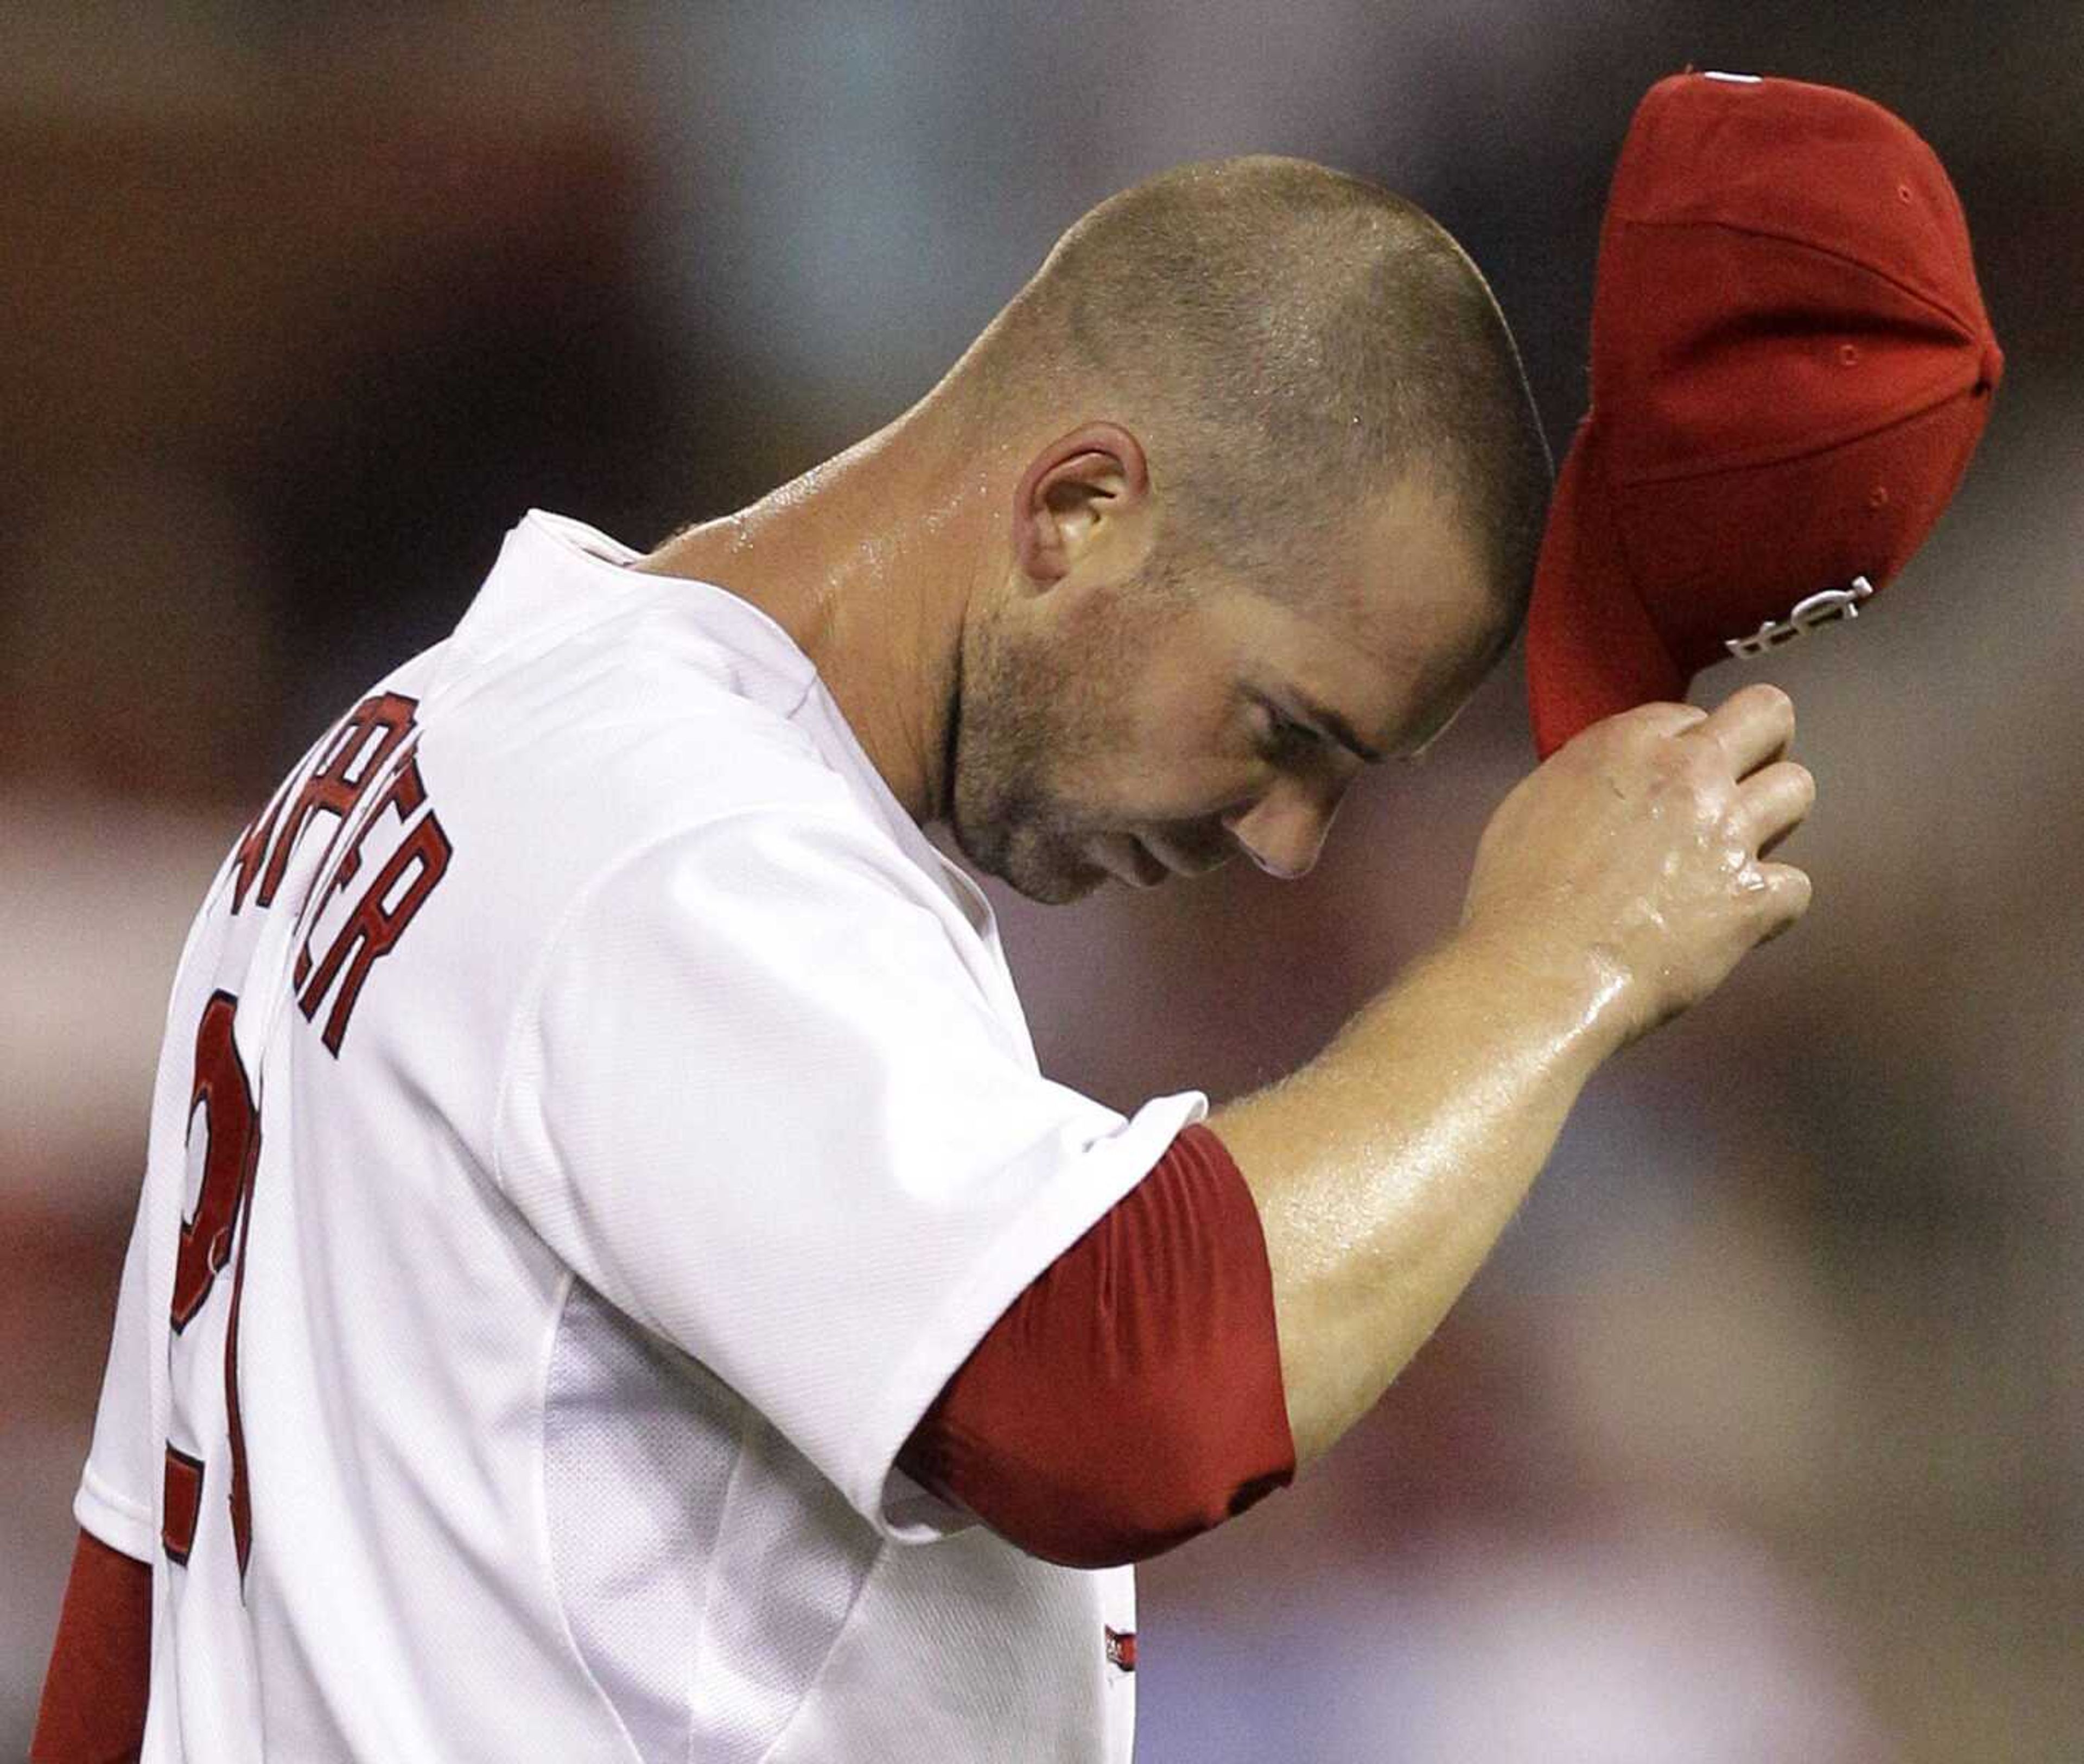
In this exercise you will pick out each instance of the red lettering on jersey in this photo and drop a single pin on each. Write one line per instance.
(252, 849)
(363, 740)
(386, 906)
(242, 1494)
(405, 795)
(225, 1199)
(233, 1149)
(183, 1503)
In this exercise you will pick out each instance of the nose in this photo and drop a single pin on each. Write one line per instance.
(1284, 830)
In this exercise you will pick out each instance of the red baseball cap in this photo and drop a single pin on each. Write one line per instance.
(1791, 365)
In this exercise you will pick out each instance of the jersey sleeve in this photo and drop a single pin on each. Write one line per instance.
(759, 1096)
(115, 1501)
(99, 1679)
(1132, 1397)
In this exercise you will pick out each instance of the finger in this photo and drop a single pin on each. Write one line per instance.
(1784, 894)
(1753, 727)
(1663, 718)
(1774, 801)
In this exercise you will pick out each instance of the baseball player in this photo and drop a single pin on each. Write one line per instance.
(611, 1281)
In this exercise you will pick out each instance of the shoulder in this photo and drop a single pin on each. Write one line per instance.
(643, 727)
(807, 882)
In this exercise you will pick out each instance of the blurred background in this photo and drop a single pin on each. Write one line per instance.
(1762, 1435)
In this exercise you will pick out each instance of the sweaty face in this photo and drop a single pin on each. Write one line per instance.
(1145, 728)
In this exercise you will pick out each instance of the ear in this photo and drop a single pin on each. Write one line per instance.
(1076, 493)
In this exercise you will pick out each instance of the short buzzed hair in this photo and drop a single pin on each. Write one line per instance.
(1288, 340)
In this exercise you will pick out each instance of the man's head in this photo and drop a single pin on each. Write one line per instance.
(1282, 488)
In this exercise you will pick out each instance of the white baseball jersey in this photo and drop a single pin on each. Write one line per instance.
(593, 1123)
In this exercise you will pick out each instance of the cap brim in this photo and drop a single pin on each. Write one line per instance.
(1591, 651)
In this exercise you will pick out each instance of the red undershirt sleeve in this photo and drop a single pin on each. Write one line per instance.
(100, 1673)
(1131, 1398)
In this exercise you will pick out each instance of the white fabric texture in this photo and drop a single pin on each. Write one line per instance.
(115, 1498)
(607, 1231)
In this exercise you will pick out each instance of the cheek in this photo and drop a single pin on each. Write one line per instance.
(1177, 762)
(1134, 730)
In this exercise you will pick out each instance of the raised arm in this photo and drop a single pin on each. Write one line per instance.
(1619, 885)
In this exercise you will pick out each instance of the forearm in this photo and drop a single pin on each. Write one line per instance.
(1384, 1170)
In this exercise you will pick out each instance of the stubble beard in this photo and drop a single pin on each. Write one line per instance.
(1013, 722)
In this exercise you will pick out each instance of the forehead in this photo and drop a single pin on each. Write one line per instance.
(1394, 624)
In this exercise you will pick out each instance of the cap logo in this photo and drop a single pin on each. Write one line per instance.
(1827, 608)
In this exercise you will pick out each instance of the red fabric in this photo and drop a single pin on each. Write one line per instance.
(1791, 365)
(101, 1665)
(1131, 1398)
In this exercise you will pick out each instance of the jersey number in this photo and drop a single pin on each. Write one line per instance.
(233, 1126)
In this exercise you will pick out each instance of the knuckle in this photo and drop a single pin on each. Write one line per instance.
(1706, 774)
(1648, 727)
(1641, 728)
(1593, 746)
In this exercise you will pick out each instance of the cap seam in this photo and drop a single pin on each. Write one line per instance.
(1723, 467)
(1619, 534)
(1966, 326)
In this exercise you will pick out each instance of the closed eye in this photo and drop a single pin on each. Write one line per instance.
(1282, 740)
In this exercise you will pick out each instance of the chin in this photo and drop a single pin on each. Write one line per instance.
(1034, 867)
(1058, 889)
(1048, 880)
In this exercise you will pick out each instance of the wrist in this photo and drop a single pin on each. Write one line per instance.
(1579, 995)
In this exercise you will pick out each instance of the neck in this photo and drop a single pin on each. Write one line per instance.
(868, 562)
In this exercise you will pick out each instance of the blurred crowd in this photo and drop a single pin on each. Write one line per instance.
(1762, 1435)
